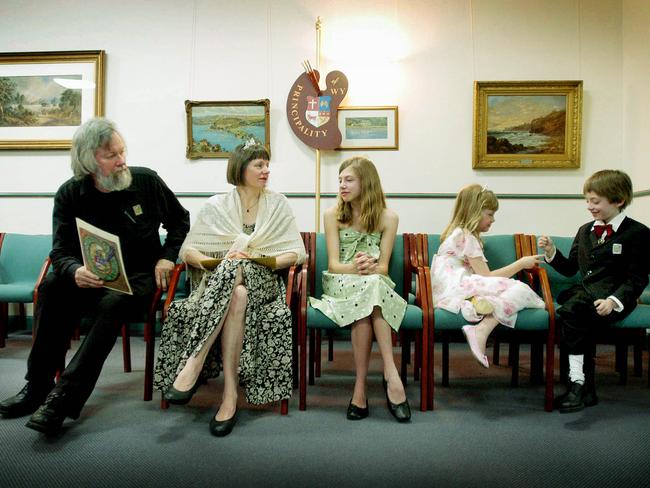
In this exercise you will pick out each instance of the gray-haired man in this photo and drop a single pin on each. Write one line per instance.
(131, 203)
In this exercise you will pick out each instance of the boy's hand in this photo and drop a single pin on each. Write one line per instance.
(546, 243)
(604, 306)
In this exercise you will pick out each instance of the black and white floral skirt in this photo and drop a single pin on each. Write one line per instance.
(265, 364)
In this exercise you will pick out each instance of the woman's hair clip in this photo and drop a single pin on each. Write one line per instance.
(250, 143)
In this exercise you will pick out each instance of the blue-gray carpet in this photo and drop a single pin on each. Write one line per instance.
(483, 433)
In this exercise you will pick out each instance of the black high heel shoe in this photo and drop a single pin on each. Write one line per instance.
(222, 428)
(401, 411)
(178, 397)
(357, 413)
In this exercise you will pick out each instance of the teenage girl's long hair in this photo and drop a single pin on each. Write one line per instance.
(468, 211)
(372, 197)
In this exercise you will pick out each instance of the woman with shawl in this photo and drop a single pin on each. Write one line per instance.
(240, 301)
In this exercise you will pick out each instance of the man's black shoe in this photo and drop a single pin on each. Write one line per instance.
(49, 418)
(573, 399)
(589, 397)
(25, 402)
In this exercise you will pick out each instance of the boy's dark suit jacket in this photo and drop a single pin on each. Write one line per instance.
(605, 273)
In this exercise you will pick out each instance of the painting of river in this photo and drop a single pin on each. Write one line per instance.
(366, 128)
(218, 130)
(39, 101)
(526, 124)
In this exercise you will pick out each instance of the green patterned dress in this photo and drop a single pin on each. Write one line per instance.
(350, 297)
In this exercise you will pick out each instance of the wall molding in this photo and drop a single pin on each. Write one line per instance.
(403, 196)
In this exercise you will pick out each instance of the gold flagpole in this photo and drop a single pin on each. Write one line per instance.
(317, 192)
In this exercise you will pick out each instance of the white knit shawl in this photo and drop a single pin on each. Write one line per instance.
(218, 228)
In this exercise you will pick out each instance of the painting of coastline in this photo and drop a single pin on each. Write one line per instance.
(526, 124)
(39, 101)
(366, 128)
(217, 128)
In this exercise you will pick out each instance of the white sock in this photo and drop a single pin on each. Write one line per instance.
(576, 370)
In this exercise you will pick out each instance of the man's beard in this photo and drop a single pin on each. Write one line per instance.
(114, 182)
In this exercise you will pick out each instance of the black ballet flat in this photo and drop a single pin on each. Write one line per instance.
(222, 428)
(178, 397)
(401, 411)
(357, 413)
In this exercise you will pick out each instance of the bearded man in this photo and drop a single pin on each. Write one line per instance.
(130, 203)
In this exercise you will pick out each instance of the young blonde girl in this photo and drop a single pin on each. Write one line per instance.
(462, 281)
(357, 291)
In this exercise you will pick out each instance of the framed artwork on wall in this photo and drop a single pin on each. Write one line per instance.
(215, 129)
(46, 96)
(527, 124)
(366, 128)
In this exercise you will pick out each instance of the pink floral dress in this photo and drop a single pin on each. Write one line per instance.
(454, 283)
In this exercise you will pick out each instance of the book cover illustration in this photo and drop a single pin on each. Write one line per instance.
(102, 255)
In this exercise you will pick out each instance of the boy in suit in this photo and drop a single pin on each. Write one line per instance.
(612, 256)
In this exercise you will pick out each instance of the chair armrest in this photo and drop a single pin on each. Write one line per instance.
(41, 276)
(171, 288)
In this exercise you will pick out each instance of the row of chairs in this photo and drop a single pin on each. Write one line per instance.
(422, 326)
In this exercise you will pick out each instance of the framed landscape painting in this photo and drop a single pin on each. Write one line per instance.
(46, 96)
(364, 128)
(527, 124)
(215, 129)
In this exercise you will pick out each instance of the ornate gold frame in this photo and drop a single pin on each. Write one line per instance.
(95, 58)
(190, 105)
(570, 158)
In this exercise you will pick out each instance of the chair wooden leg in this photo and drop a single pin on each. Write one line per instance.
(284, 407)
(514, 359)
(550, 370)
(638, 352)
(417, 360)
(164, 404)
(317, 354)
(302, 366)
(621, 360)
(23, 316)
(4, 323)
(496, 346)
(150, 345)
(126, 348)
(406, 353)
(312, 347)
(512, 347)
(536, 363)
(330, 346)
(445, 362)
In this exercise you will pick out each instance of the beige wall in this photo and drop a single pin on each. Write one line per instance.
(425, 59)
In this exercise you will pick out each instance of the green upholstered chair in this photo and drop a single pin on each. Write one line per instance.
(21, 262)
(415, 320)
(533, 325)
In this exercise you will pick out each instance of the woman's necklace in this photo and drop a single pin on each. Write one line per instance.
(252, 206)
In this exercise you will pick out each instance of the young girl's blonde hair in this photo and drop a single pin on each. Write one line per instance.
(372, 197)
(468, 211)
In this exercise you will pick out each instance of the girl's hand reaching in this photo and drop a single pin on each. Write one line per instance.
(528, 262)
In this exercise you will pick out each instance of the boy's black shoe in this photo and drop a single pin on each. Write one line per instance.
(25, 402)
(49, 418)
(573, 400)
(589, 397)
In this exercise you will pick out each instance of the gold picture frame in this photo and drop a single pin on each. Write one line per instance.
(46, 96)
(214, 129)
(527, 124)
(369, 128)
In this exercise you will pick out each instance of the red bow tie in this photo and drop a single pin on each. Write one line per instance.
(600, 229)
